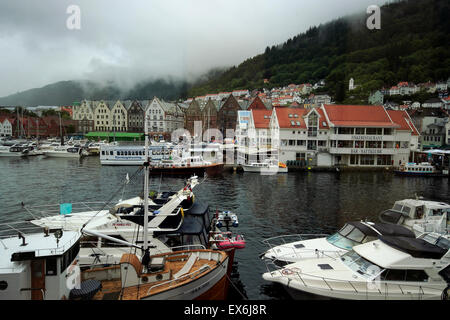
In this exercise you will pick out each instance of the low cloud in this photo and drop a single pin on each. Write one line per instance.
(128, 42)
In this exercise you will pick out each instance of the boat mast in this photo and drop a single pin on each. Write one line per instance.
(60, 129)
(146, 256)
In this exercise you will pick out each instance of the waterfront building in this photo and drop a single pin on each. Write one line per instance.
(119, 116)
(258, 104)
(163, 117)
(193, 114)
(369, 135)
(209, 116)
(136, 116)
(102, 115)
(227, 115)
(84, 114)
(254, 141)
(6, 127)
(329, 135)
(301, 135)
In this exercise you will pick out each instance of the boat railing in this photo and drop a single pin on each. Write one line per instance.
(284, 239)
(370, 286)
(48, 210)
(190, 275)
(25, 229)
(9, 229)
(188, 247)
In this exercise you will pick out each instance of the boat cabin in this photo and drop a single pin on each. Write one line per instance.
(39, 266)
(419, 215)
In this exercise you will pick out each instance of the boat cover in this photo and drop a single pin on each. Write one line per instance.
(87, 290)
(418, 248)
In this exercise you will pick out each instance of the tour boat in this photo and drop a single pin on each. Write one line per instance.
(39, 265)
(132, 155)
(419, 215)
(389, 268)
(267, 167)
(185, 165)
(418, 169)
(284, 251)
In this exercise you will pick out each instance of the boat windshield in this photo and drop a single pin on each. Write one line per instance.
(347, 237)
(360, 265)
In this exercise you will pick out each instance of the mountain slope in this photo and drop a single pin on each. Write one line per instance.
(412, 45)
(67, 92)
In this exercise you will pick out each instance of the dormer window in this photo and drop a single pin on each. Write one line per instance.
(290, 115)
(295, 115)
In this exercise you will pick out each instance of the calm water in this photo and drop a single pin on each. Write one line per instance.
(267, 205)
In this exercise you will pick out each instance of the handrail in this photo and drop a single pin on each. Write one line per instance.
(402, 286)
(189, 247)
(190, 275)
(300, 236)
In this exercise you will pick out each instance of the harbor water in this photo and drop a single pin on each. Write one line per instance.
(267, 206)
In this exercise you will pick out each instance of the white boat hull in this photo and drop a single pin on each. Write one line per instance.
(357, 290)
(12, 154)
(61, 154)
(264, 170)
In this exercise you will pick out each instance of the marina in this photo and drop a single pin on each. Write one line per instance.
(324, 201)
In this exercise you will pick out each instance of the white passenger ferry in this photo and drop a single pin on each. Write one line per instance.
(417, 169)
(132, 155)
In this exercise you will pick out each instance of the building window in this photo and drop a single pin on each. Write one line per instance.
(367, 160)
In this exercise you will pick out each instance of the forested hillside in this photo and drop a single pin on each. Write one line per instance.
(412, 45)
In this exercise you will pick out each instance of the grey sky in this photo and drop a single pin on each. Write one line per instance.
(128, 41)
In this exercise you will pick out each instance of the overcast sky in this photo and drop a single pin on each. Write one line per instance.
(127, 41)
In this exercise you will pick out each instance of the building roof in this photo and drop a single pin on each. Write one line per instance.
(402, 118)
(358, 116)
(261, 118)
(285, 117)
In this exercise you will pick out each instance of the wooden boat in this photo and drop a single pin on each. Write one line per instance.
(182, 275)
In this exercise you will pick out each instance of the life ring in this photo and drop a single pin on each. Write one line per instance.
(287, 272)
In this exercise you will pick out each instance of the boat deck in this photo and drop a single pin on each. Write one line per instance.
(112, 289)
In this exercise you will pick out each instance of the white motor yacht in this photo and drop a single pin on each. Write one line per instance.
(419, 215)
(266, 167)
(390, 268)
(65, 152)
(284, 251)
(14, 151)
